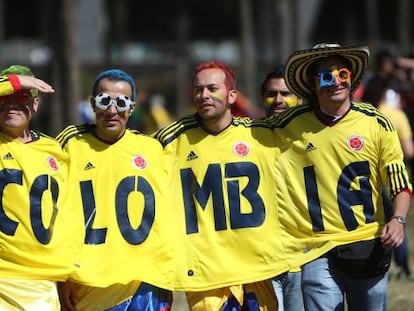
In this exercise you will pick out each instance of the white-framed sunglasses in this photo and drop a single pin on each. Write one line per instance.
(122, 103)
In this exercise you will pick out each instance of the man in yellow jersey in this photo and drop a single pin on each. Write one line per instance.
(276, 99)
(226, 214)
(120, 194)
(275, 94)
(35, 219)
(336, 156)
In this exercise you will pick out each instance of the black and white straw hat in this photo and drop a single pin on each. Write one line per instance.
(298, 63)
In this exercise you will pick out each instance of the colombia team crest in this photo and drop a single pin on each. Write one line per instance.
(139, 162)
(355, 142)
(52, 163)
(241, 149)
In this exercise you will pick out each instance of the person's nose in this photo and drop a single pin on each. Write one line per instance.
(279, 98)
(336, 80)
(205, 93)
(112, 109)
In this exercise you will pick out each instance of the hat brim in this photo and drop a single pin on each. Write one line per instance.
(298, 63)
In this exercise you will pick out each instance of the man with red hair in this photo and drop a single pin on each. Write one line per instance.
(228, 226)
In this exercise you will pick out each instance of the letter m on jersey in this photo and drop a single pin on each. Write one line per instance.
(212, 186)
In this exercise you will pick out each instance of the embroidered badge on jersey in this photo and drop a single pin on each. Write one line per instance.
(241, 149)
(355, 142)
(139, 162)
(52, 163)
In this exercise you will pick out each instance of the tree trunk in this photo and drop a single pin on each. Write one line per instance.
(182, 63)
(248, 50)
(61, 36)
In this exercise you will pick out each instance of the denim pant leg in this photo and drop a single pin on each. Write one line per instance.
(278, 284)
(292, 292)
(322, 287)
(367, 294)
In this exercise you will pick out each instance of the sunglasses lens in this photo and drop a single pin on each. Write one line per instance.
(21, 98)
(105, 101)
(102, 100)
(327, 77)
(343, 74)
(121, 103)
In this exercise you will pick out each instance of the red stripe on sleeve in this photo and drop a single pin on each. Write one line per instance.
(14, 80)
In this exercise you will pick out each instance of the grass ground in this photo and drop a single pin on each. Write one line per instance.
(400, 291)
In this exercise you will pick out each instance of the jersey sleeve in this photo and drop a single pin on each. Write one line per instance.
(9, 84)
(393, 171)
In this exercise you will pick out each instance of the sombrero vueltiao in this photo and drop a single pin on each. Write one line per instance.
(299, 62)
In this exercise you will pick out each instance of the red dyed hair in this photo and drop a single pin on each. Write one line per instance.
(230, 77)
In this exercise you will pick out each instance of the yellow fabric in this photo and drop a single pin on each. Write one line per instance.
(225, 210)
(214, 300)
(399, 120)
(160, 114)
(295, 269)
(122, 207)
(343, 168)
(31, 295)
(6, 87)
(35, 226)
(98, 299)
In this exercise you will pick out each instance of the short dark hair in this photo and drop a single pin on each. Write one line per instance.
(277, 72)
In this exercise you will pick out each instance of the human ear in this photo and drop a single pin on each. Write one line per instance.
(92, 102)
(35, 105)
(131, 110)
(232, 96)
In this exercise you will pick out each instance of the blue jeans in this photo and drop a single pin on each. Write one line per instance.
(324, 287)
(288, 291)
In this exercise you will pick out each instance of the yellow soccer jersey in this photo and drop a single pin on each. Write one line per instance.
(227, 218)
(34, 225)
(330, 177)
(122, 204)
(9, 84)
